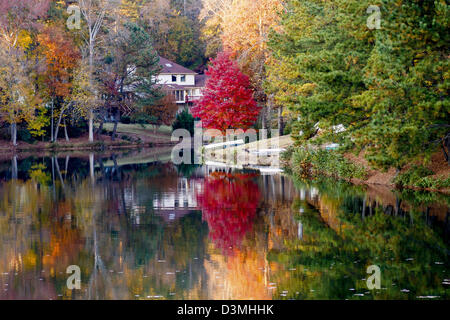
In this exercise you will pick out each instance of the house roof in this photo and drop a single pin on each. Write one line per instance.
(200, 80)
(170, 67)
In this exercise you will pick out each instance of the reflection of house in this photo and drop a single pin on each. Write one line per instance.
(186, 85)
(176, 203)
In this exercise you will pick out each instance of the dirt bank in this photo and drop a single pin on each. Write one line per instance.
(438, 165)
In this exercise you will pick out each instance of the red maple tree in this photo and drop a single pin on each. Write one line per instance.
(227, 101)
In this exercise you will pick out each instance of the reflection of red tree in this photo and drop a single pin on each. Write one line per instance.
(229, 203)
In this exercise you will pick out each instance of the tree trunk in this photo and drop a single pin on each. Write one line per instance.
(58, 124)
(99, 130)
(116, 123)
(113, 136)
(91, 72)
(52, 136)
(263, 118)
(269, 114)
(14, 134)
(91, 125)
(280, 121)
(65, 131)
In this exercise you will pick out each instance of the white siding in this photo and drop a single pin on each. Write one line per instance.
(167, 79)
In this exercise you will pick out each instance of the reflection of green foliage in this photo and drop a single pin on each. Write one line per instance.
(420, 197)
(39, 174)
(187, 170)
(332, 262)
(332, 188)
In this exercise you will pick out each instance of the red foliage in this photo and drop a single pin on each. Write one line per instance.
(229, 203)
(61, 56)
(228, 100)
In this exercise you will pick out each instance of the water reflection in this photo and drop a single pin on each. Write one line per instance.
(142, 228)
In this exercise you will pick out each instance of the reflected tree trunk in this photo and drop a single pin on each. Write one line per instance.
(53, 178)
(91, 167)
(14, 170)
(58, 171)
(66, 167)
(363, 214)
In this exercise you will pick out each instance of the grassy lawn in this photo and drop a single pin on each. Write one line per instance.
(145, 132)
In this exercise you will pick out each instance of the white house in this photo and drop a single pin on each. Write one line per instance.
(186, 85)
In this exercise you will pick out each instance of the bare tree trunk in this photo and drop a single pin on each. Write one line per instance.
(91, 125)
(99, 130)
(280, 121)
(263, 118)
(65, 131)
(58, 124)
(91, 71)
(116, 123)
(52, 137)
(14, 133)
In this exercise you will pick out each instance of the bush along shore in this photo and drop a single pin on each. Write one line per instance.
(313, 163)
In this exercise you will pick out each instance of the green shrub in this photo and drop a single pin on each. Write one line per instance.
(288, 128)
(420, 177)
(184, 120)
(125, 119)
(308, 162)
(412, 176)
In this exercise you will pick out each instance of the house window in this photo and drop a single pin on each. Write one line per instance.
(174, 78)
(179, 95)
(183, 78)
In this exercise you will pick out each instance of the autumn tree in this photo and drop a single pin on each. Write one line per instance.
(228, 100)
(18, 16)
(94, 12)
(246, 29)
(131, 68)
(175, 35)
(18, 99)
(243, 27)
(213, 14)
(163, 112)
(61, 57)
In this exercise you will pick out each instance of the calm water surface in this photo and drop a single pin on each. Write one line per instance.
(140, 227)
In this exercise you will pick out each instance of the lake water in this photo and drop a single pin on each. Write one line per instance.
(139, 227)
